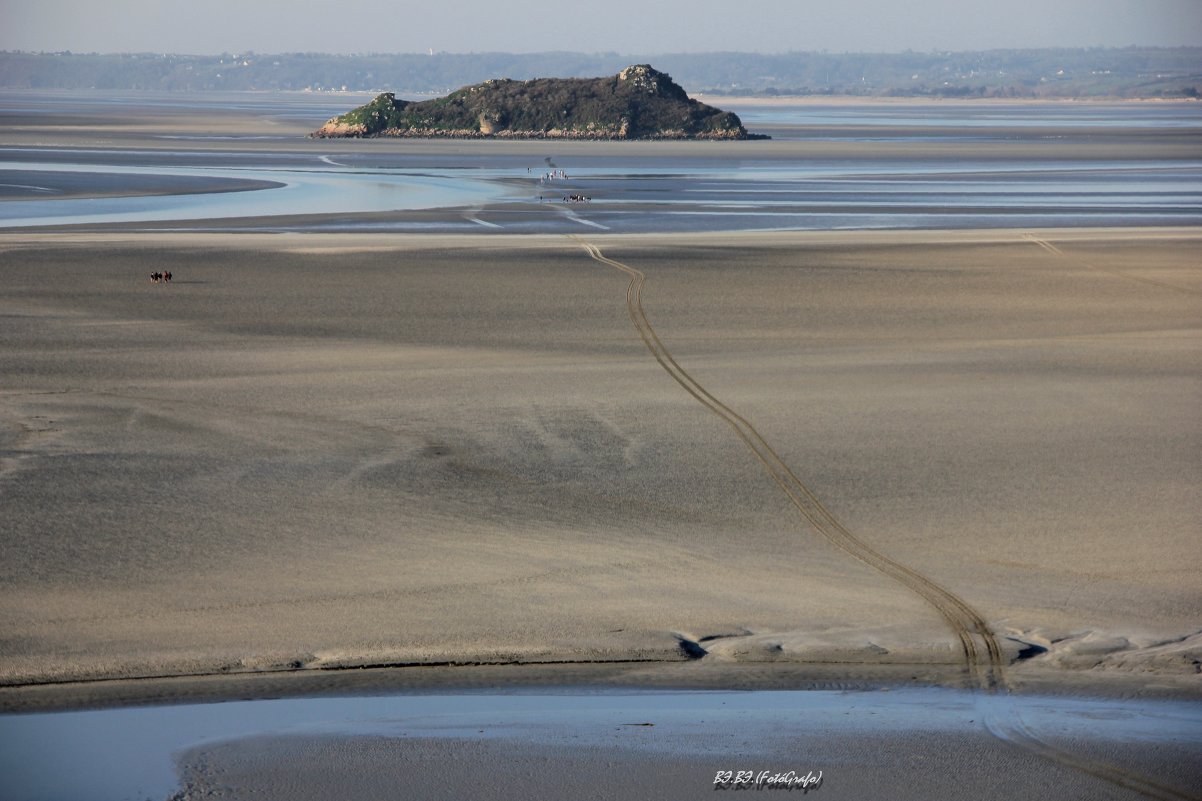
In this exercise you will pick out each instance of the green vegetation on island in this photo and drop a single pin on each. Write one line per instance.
(637, 103)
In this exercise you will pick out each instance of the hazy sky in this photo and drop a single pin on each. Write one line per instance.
(643, 26)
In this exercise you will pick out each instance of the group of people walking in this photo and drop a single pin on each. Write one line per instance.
(160, 278)
(557, 174)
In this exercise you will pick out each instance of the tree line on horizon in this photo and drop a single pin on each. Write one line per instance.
(1131, 72)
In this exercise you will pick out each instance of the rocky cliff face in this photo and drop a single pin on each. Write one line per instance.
(638, 103)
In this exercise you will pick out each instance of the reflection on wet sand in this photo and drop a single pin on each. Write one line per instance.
(937, 166)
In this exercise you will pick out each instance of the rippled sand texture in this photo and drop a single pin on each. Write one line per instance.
(322, 451)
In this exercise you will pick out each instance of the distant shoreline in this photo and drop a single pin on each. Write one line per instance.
(719, 100)
(1136, 71)
(915, 100)
(708, 97)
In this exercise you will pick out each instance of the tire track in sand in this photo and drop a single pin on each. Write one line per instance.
(982, 654)
(1055, 251)
(1007, 725)
(985, 667)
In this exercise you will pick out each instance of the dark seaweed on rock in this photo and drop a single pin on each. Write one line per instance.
(637, 103)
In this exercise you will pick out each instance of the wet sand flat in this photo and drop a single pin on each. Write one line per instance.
(333, 451)
(908, 743)
(920, 165)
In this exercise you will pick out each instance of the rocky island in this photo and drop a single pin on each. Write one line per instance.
(638, 103)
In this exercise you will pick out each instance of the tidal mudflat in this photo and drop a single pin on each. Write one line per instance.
(908, 743)
(930, 166)
(346, 462)
(311, 453)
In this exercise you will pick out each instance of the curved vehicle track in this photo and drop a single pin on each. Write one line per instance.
(1055, 251)
(1007, 725)
(982, 654)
